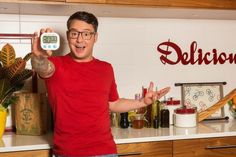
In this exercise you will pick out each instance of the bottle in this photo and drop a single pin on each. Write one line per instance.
(165, 116)
(155, 111)
(156, 122)
(124, 122)
(140, 110)
(148, 113)
(114, 119)
(132, 113)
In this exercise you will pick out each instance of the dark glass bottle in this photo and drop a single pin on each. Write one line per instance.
(165, 121)
(124, 122)
(156, 122)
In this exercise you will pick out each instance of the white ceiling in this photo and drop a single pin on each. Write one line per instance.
(117, 11)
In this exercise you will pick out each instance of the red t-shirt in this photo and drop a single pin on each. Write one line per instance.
(79, 94)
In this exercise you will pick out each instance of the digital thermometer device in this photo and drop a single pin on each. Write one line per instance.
(50, 41)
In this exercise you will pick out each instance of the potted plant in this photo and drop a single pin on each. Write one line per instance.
(12, 76)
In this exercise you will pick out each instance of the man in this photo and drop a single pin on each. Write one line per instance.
(81, 91)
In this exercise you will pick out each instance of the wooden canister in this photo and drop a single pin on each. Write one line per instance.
(31, 114)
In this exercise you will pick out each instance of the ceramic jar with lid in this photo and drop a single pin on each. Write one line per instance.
(185, 117)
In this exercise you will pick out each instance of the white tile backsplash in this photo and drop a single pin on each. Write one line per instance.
(9, 17)
(44, 18)
(9, 27)
(130, 45)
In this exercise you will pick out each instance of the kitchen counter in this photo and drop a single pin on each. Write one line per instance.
(205, 129)
(11, 142)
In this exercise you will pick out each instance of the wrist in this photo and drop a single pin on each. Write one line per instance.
(42, 65)
(142, 102)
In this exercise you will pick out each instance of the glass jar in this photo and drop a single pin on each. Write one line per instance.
(138, 122)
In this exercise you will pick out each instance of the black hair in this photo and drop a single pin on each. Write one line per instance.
(84, 16)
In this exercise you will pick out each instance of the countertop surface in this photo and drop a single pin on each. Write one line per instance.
(11, 142)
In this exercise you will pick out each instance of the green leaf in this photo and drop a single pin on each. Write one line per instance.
(27, 57)
(8, 90)
(230, 102)
(2, 72)
(13, 89)
(15, 68)
(2, 108)
(19, 78)
(7, 55)
(10, 100)
(4, 87)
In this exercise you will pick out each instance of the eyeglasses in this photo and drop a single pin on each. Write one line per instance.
(86, 35)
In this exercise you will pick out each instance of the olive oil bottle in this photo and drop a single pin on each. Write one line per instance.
(155, 111)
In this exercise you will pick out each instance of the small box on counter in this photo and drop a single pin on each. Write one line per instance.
(32, 114)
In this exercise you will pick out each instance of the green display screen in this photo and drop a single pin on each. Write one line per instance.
(49, 39)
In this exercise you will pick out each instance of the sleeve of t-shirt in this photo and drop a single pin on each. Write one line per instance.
(113, 91)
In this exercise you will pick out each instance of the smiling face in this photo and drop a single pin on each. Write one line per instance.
(81, 49)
